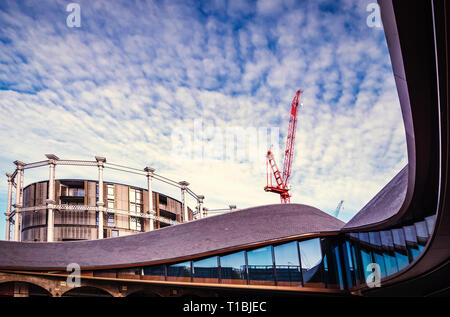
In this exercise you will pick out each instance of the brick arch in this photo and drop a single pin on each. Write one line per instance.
(143, 292)
(28, 281)
(88, 287)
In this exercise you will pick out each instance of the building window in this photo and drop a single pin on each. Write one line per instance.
(287, 264)
(206, 270)
(233, 268)
(311, 262)
(136, 208)
(155, 272)
(260, 266)
(114, 233)
(179, 272)
(76, 192)
(135, 201)
(110, 191)
(111, 222)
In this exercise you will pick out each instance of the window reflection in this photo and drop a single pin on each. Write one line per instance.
(311, 263)
(400, 252)
(287, 264)
(377, 251)
(206, 270)
(422, 232)
(366, 259)
(132, 273)
(260, 266)
(154, 273)
(180, 272)
(232, 268)
(388, 252)
(411, 242)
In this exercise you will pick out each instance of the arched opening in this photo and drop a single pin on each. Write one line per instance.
(86, 291)
(22, 289)
(143, 293)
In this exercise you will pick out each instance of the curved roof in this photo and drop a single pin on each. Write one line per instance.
(384, 205)
(239, 228)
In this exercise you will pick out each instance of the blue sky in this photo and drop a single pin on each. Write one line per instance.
(133, 72)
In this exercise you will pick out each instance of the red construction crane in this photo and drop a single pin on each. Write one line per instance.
(282, 181)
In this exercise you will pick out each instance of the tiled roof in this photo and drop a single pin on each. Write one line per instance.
(246, 226)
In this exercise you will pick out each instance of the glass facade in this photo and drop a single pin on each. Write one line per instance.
(336, 262)
(233, 268)
(154, 273)
(287, 264)
(312, 263)
(206, 270)
(179, 272)
(261, 266)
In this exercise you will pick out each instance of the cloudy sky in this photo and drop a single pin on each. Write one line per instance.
(131, 82)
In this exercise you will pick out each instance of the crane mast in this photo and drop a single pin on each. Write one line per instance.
(282, 179)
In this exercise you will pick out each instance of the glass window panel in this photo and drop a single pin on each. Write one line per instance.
(386, 240)
(391, 263)
(139, 224)
(138, 208)
(364, 237)
(430, 224)
(132, 273)
(133, 208)
(379, 259)
(110, 204)
(114, 233)
(132, 223)
(132, 196)
(422, 232)
(232, 268)
(349, 265)
(105, 273)
(260, 266)
(411, 241)
(374, 238)
(138, 196)
(154, 272)
(399, 239)
(206, 270)
(110, 220)
(338, 267)
(110, 191)
(331, 259)
(311, 262)
(366, 259)
(287, 264)
(179, 272)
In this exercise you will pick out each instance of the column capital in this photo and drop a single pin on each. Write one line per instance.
(183, 184)
(17, 206)
(50, 201)
(19, 164)
(100, 160)
(200, 198)
(9, 176)
(149, 170)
